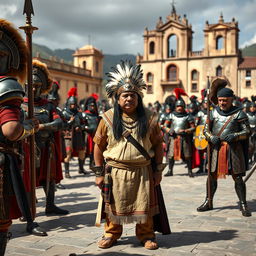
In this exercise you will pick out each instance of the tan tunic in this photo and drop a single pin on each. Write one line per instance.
(133, 197)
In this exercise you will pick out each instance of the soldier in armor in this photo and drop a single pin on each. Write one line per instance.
(252, 139)
(180, 127)
(48, 166)
(201, 118)
(92, 120)
(228, 136)
(74, 133)
(54, 97)
(13, 198)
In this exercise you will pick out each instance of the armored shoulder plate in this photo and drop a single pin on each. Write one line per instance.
(10, 89)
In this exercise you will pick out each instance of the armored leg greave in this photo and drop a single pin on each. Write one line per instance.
(51, 208)
(189, 165)
(81, 166)
(67, 175)
(207, 204)
(170, 165)
(240, 188)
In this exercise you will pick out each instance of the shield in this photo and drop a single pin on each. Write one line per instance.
(200, 140)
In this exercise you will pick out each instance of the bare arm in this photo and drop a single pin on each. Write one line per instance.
(12, 130)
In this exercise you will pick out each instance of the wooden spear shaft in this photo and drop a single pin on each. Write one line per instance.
(208, 146)
(28, 28)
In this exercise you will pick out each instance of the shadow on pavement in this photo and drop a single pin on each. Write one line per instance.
(251, 204)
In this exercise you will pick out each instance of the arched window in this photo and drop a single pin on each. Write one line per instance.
(84, 64)
(194, 78)
(151, 48)
(172, 73)
(150, 77)
(219, 71)
(219, 43)
(194, 75)
(172, 46)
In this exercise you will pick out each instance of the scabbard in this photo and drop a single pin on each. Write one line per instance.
(48, 171)
(250, 173)
(19, 188)
(99, 212)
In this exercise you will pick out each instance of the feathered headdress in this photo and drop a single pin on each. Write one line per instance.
(179, 100)
(41, 74)
(12, 39)
(72, 92)
(178, 92)
(125, 77)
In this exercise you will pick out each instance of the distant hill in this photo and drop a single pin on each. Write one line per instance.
(110, 60)
(249, 51)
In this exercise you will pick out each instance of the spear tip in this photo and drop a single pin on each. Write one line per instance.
(28, 8)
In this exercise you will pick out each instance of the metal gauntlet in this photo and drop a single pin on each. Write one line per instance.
(28, 130)
(54, 125)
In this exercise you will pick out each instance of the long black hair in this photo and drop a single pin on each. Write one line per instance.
(141, 119)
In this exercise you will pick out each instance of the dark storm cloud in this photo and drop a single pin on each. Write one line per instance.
(116, 26)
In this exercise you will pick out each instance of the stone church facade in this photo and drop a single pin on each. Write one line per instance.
(169, 62)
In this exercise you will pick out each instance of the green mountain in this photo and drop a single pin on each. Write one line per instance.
(110, 60)
(249, 51)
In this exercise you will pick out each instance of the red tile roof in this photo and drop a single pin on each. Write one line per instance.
(248, 62)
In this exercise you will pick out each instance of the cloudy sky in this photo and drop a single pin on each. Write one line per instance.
(116, 26)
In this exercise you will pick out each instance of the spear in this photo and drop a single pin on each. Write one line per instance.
(208, 146)
(29, 29)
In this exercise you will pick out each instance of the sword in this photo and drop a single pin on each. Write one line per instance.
(252, 170)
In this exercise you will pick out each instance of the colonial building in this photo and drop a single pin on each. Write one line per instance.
(86, 73)
(169, 61)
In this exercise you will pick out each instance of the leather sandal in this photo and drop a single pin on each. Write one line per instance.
(150, 244)
(106, 242)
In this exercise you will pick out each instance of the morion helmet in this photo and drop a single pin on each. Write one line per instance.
(125, 77)
(41, 76)
(179, 100)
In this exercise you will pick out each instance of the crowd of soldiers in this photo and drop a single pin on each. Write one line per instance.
(61, 134)
(183, 124)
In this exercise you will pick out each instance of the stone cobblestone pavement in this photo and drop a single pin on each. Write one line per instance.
(222, 231)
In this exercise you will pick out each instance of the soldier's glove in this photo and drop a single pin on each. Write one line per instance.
(215, 140)
(229, 138)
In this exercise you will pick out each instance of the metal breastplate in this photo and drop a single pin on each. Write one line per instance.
(179, 123)
(91, 121)
(202, 118)
(252, 121)
(219, 121)
(43, 115)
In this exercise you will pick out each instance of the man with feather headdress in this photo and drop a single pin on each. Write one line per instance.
(128, 177)
(180, 126)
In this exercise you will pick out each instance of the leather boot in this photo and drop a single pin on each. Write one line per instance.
(189, 165)
(3, 242)
(207, 204)
(51, 208)
(34, 229)
(67, 175)
(91, 163)
(81, 166)
(170, 170)
(240, 188)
